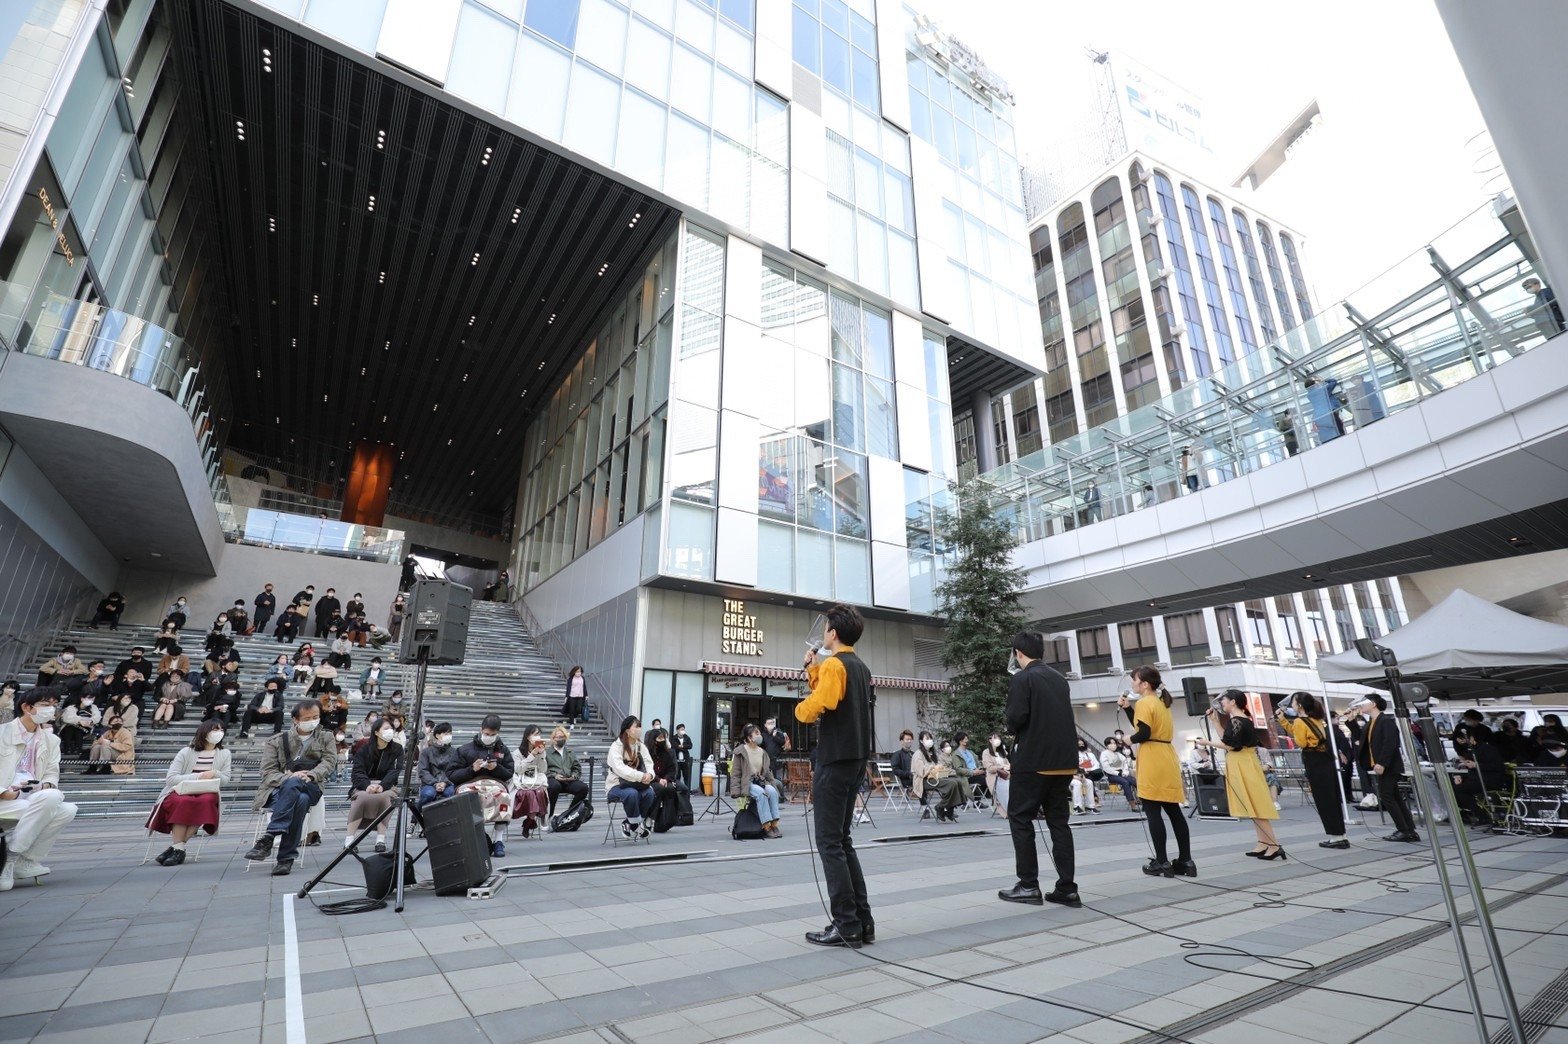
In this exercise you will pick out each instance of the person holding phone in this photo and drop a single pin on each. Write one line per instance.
(533, 780)
(31, 803)
(485, 767)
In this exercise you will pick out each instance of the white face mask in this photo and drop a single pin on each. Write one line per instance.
(487, 740)
(1012, 664)
(67, 657)
(926, 743)
(43, 714)
(443, 740)
(307, 727)
(215, 737)
(386, 734)
(340, 737)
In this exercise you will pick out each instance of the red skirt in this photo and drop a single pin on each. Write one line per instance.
(530, 801)
(195, 810)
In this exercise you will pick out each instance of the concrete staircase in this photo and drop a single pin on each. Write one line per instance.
(504, 673)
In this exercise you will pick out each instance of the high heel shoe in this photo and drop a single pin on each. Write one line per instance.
(1279, 853)
(1257, 853)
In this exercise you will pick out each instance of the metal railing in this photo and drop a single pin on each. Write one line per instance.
(1347, 368)
(607, 707)
(19, 651)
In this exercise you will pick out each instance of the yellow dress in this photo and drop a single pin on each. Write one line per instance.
(1159, 773)
(1245, 787)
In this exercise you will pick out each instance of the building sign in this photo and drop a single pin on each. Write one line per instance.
(54, 223)
(1159, 117)
(741, 636)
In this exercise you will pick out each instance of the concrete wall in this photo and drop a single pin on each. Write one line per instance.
(243, 570)
(26, 493)
(1511, 54)
(598, 577)
(1531, 584)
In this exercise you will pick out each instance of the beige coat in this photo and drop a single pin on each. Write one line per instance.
(924, 770)
(745, 763)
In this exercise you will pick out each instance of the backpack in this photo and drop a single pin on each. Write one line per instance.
(572, 818)
(747, 825)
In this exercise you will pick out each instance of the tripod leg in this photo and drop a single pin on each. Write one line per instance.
(352, 846)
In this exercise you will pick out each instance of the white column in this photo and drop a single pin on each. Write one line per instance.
(1211, 630)
(1162, 641)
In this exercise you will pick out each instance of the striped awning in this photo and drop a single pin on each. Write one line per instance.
(760, 670)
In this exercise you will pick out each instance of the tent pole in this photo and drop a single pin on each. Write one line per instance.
(1352, 812)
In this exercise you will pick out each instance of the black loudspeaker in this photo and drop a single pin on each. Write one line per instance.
(1212, 800)
(459, 850)
(436, 622)
(1196, 690)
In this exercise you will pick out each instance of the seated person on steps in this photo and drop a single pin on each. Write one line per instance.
(294, 763)
(31, 804)
(265, 707)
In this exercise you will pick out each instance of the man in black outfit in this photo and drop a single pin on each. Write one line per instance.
(266, 602)
(1381, 755)
(774, 740)
(326, 611)
(840, 705)
(1040, 713)
(681, 744)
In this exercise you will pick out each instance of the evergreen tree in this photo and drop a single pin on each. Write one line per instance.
(981, 598)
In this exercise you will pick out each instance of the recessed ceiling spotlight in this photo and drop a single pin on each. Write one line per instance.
(258, 374)
(315, 299)
(239, 129)
(381, 139)
(603, 267)
(272, 224)
(471, 320)
(475, 261)
(371, 205)
(436, 407)
(547, 323)
(449, 442)
(362, 371)
(382, 278)
(635, 218)
(465, 378)
(485, 160)
(323, 397)
(517, 212)
(541, 364)
(387, 347)
(296, 342)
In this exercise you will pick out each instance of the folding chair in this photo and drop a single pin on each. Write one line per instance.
(315, 822)
(614, 813)
(894, 797)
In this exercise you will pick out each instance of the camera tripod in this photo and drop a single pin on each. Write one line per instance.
(405, 806)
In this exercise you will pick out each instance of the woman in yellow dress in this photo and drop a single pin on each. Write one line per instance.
(1159, 773)
(1245, 787)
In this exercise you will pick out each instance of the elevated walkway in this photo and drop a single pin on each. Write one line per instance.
(1369, 442)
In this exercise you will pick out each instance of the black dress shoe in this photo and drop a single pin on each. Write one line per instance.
(868, 931)
(283, 868)
(1061, 898)
(176, 857)
(262, 849)
(1158, 868)
(1414, 839)
(831, 936)
(1336, 843)
(163, 857)
(1021, 893)
(1184, 868)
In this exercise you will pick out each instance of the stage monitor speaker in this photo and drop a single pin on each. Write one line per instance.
(459, 849)
(1197, 692)
(1212, 800)
(436, 622)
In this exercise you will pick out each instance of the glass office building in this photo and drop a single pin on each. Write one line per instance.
(681, 294)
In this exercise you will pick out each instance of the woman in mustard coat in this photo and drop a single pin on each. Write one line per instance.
(1159, 772)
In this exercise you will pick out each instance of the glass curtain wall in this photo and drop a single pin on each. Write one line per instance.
(871, 206)
(1276, 276)
(1129, 326)
(1186, 292)
(1260, 294)
(1238, 294)
(595, 453)
(1061, 416)
(1083, 312)
(1224, 348)
(1298, 282)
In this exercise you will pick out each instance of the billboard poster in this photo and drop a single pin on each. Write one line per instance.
(1161, 118)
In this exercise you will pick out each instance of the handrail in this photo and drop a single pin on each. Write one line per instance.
(32, 641)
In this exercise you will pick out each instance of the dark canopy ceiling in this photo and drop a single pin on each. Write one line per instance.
(421, 287)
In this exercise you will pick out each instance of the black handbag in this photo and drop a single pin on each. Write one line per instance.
(747, 825)
(380, 871)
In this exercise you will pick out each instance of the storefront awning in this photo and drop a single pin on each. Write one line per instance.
(759, 670)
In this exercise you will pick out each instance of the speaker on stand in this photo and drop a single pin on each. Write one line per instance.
(1196, 691)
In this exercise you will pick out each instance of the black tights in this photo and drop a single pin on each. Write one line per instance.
(1172, 811)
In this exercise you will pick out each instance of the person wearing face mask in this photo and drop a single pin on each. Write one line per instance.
(1085, 797)
(1382, 755)
(628, 779)
(134, 662)
(176, 612)
(1118, 770)
(168, 637)
(376, 767)
(79, 717)
(399, 728)
(901, 762)
(109, 611)
(436, 763)
(62, 669)
(171, 661)
(532, 796)
(370, 679)
(485, 767)
(8, 691)
(31, 804)
(220, 639)
(394, 704)
(680, 743)
(266, 604)
(294, 763)
(173, 695)
(205, 762)
(1553, 755)
(239, 618)
(564, 770)
(114, 751)
(751, 778)
(223, 701)
(266, 706)
(998, 769)
(931, 771)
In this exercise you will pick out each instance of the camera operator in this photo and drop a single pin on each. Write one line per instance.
(1302, 717)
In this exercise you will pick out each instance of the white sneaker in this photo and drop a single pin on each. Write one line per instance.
(8, 876)
(1276, 806)
(26, 867)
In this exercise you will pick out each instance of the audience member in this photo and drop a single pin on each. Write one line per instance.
(266, 707)
(191, 800)
(79, 718)
(109, 611)
(998, 769)
(137, 662)
(173, 695)
(342, 654)
(931, 772)
(355, 606)
(576, 695)
(566, 773)
(371, 678)
(113, 750)
(485, 767)
(9, 689)
(680, 743)
(628, 778)
(395, 616)
(280, 669)
(774, 740)
(31, 801)
(172, 660)
(901, 762)
(1118, 769)
(436, 762)
(751, 776)
(176, 612)
(1483, 770)
(294, 763)
(373, 785)
(334, 712)
(239, 619)
(168, 637)
(59, 670)
(223, 702)
(1085, 797)
(966, 764)
(290, 622)
(533, 789)
(327, 612)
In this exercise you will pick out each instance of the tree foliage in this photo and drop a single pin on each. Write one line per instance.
(981, 598)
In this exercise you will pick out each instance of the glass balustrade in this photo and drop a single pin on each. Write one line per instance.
(1446, 314)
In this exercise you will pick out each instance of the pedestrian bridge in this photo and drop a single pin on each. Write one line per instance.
(1422, 423)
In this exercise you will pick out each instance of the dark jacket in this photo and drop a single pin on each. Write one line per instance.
(844, 733)
(328, 607)
(773, 743)
(681, 745)
(436, 764)
(373, 765)
(1040, 713)
(266, 602)
(902, 766)
(144, 665)
(472, 751)
(1381, 745)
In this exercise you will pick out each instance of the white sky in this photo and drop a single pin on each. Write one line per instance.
(1392, 165)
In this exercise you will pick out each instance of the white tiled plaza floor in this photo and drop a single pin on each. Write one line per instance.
(711, 949)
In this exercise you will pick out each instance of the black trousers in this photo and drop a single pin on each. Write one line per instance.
(251, 717)
(261, 618)
(833, 809)
(1028, 793)
(575, 787)
(1394, 802)
(685, 769)
(1323, 781)
(1173, 812)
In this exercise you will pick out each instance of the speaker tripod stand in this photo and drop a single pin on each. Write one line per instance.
(405, 806)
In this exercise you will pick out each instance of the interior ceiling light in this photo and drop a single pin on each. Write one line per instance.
(272, 224)
(382, 278)
(266, 60)
(381, 139)
(475, 261)
(315, 299)
(371, 205)
(603, 267)
(239, 129)
(471, 320)
(485, 160)
(547, 323)
(635, 218)
(517, 212)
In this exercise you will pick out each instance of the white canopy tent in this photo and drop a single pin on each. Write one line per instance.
(1466, 648)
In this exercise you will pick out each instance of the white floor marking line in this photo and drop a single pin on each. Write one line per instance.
(293, 1001)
